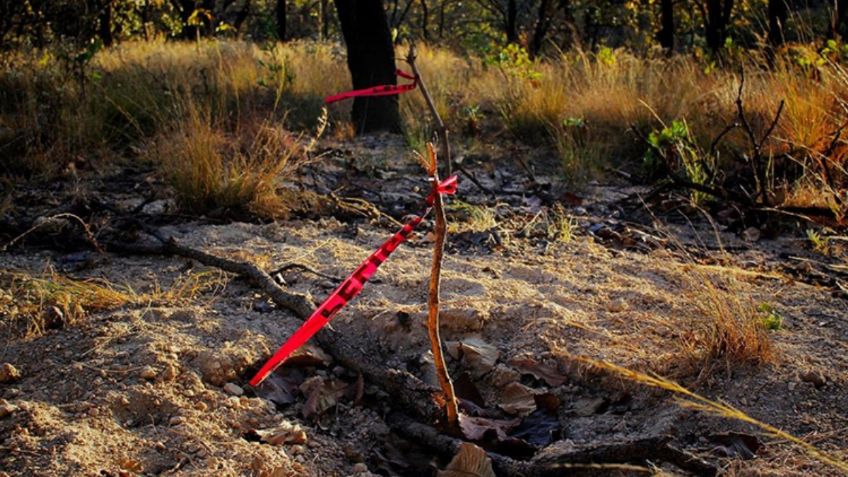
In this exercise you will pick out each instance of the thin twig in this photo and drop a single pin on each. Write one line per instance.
(86, 229)
(441, 129)
(305, 268)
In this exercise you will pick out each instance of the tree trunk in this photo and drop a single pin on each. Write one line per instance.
(105, 24)
(324, 31)
(777, 15)
(511, 21)
(425, 20)
(717, 18)
(241, 16)
(666, 34)
(543, 21)
(371, 60)
(280, 14)
(837, 18)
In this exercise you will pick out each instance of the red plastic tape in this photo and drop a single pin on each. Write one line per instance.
(383, 90)
(349, 289)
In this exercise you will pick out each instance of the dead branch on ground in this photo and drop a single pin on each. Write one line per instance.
(408, 389)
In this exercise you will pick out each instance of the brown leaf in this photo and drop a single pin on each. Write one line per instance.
(309, 355)
(478, 355)
(321, 394)
(469, 461)
(547, 372)
(478, 428)
(518, 399)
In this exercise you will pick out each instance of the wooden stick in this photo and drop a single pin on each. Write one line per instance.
(441, 230)
(441, 129)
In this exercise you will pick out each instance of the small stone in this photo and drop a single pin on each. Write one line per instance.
(360, 468)
(792, 386)
(148, 372)
(176, 421)
(170, 372)
(7, 409)
(233, 389)
(617, 305)
(201, 406)
(815, 378)
(9, 373)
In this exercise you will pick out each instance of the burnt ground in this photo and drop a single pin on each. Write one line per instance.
(536, 274)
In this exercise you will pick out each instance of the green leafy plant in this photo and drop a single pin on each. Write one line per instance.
(771, 319)
(514, 61)
(820, 243)
(672, 148)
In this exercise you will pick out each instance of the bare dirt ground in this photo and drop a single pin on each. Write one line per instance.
(160, 388)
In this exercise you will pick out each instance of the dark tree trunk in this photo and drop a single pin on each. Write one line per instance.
(105, 24)
(717, 18)
(241, 16)
(425, 20)
(371, 60)
(837, 18)
(666, 34)
(325, 19)
(511, 21)
(543, 22)
(280, 14)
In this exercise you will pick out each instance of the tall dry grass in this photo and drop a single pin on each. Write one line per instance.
(590, 109)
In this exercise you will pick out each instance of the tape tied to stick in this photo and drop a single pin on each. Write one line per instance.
(350, 287)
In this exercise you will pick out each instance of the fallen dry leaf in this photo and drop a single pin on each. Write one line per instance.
(309, 355)
(478, 428)
(546, 372)
(321, 394)
(478, 355)
(285, 433)
(518, 399)
(469, 461)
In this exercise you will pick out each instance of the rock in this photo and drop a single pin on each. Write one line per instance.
(359, 468)
(233, 389)
(813, 377)
(617, 305)
(7, 409)
(176, 420)
(158, 207)
(216, 368)
(9, 373)
(148, 372)
(170, 372)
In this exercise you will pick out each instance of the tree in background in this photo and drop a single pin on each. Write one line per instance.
(371, 61)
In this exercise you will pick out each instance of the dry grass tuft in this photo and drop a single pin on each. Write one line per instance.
(212, 170)
(726, 327)
(30, 305)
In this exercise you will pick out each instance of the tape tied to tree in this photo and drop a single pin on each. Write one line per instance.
(350, 287)
(381, 90)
